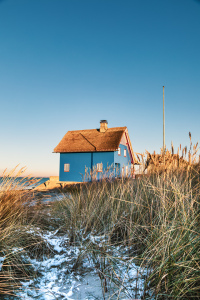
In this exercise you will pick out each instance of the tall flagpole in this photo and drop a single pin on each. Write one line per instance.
(164, 138)
(163, 122)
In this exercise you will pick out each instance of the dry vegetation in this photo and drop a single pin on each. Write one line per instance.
(156, 219)
(153, 221)
(17, 232)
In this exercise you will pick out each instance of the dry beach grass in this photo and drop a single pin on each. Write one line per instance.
(17, 233)
(155, 218)
(143, 231)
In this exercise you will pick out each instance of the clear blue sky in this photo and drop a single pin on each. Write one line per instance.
(66, 64)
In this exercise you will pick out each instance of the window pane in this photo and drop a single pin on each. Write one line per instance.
(122, 171)
(124, 152)
(66, 167)
(119, 151)
(99, 167)
(117, 169)
(126, 170)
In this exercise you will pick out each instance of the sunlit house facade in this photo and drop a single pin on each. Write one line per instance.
(91, 154)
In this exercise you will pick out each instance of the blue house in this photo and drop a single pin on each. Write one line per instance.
(95, 153)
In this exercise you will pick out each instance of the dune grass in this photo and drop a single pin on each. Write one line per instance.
(156, 218)
(17, 233)
(149, 225)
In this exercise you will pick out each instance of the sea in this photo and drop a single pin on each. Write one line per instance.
(22, 182)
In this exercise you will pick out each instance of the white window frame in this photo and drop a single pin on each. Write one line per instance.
(124, 152)
(99, 167)
(66, 167)
(119, 151)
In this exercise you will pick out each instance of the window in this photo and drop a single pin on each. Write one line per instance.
(66, 167)
(122, 171)
(99, 167)
(117, 169)
(124, 152)
(126, 170)
(119, 151)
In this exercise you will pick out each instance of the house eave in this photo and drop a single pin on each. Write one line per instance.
(82, 151)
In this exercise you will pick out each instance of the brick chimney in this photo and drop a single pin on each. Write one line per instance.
(103, 125)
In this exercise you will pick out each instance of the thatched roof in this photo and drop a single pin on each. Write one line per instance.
(91, 140)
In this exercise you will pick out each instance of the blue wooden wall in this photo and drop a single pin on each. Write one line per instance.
(86, 161)
(79, 162)
(120, 159)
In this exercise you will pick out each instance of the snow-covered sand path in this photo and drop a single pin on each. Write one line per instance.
(57, 277)
(74, 271)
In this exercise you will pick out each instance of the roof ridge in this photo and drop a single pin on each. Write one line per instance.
(97, 129)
